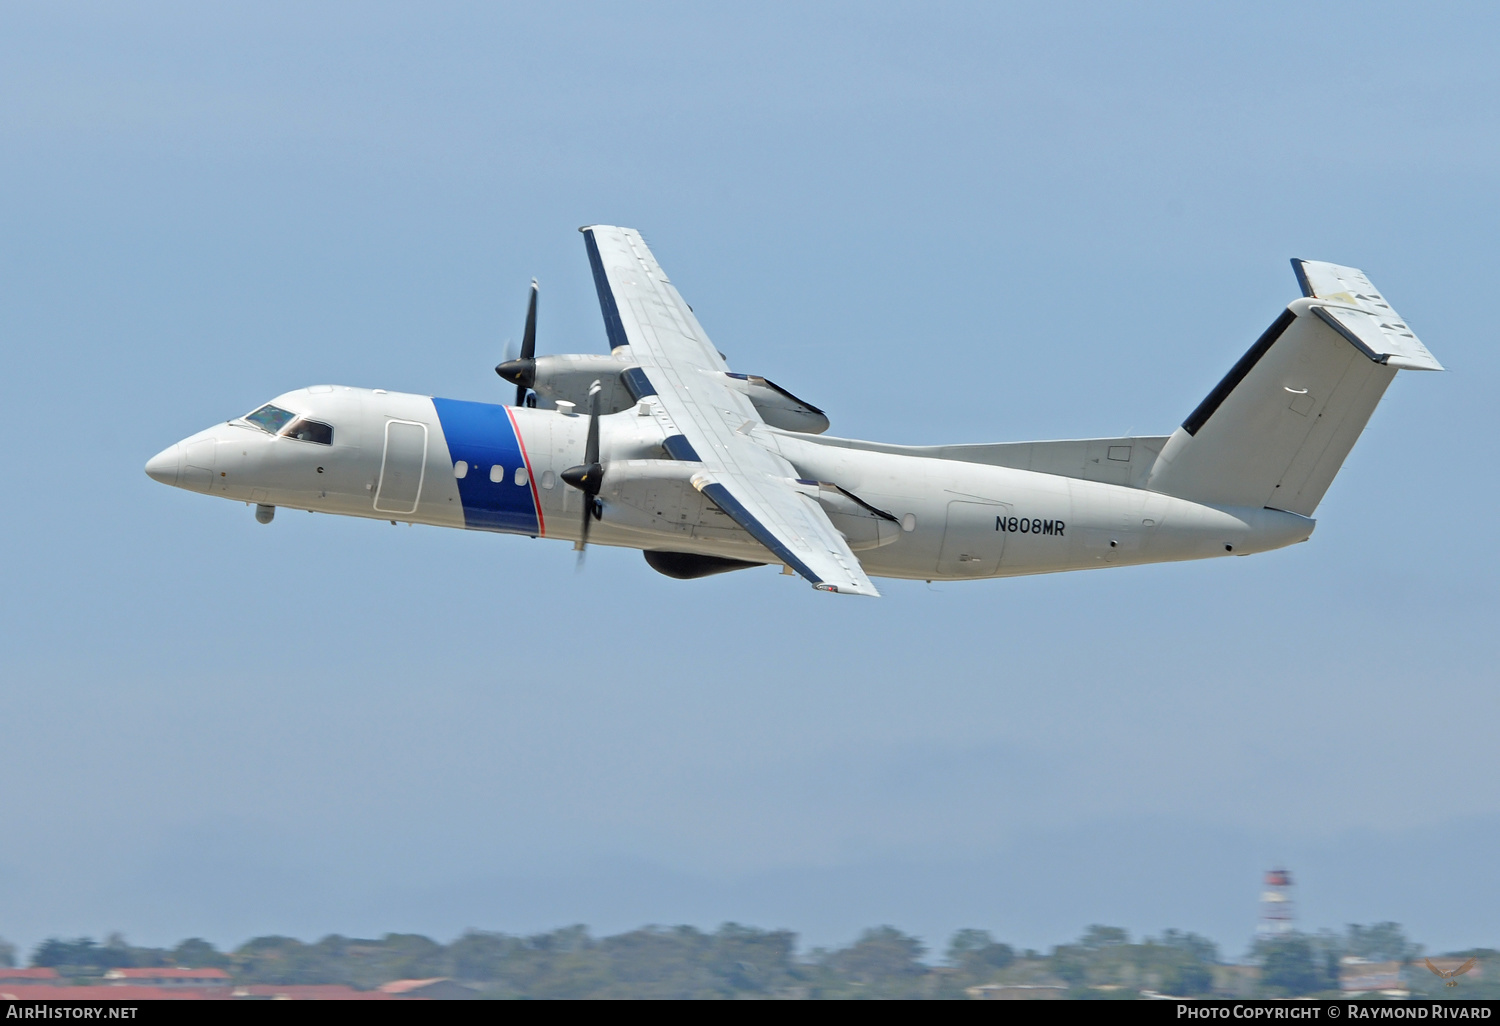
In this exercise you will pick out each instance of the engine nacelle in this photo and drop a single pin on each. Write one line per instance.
(863, 526)
(568, 377)
(654, 495)
(778, 407)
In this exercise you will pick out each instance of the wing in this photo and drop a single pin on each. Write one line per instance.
(755, 487)
(1465, 967)
(1434, 968)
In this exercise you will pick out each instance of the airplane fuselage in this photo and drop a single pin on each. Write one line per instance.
(450, 463)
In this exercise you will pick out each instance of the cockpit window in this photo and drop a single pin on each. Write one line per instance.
(310, 431)
(270, 418)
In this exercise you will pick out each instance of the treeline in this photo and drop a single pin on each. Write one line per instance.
(739, 961)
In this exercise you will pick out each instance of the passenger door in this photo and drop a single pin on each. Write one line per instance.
(402, 469)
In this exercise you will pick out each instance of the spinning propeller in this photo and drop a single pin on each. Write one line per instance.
(521, 372)
(588, 476)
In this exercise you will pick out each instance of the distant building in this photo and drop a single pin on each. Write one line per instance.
(1017, 992)
(122, 992)
(42, 975)
(167, 978)
(1358, 977)
(439, 988)
(1235, 980)
(307, 992)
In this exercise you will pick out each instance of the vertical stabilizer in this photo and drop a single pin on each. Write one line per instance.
(1276, 430)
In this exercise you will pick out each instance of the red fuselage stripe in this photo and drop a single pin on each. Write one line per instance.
(536, 497)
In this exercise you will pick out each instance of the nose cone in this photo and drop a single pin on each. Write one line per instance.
(165, 466)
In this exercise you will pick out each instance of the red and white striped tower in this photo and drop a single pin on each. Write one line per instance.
(1276, 906)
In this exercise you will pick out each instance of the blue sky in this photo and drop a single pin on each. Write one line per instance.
(939, 222)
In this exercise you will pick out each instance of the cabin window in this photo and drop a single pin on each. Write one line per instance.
(461, 470)
(270, 418)
(310, 431)
(521, 477)
(497, 474)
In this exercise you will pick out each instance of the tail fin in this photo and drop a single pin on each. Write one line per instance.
(1276, 430)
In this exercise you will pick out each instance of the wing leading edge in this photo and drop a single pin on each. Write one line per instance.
(753, 486)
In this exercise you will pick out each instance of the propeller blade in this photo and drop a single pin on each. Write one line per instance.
(521, 371)
(591, 447)
(589, 477)
(528, 344)
(528, 340)
(588, 517)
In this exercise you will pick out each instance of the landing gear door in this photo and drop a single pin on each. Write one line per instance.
(972, 545)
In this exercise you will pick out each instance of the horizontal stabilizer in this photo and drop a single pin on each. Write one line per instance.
(1354, 308)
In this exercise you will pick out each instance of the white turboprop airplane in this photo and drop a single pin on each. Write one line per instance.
(662, 448)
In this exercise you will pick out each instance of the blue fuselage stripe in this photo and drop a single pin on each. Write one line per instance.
(481, 435)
